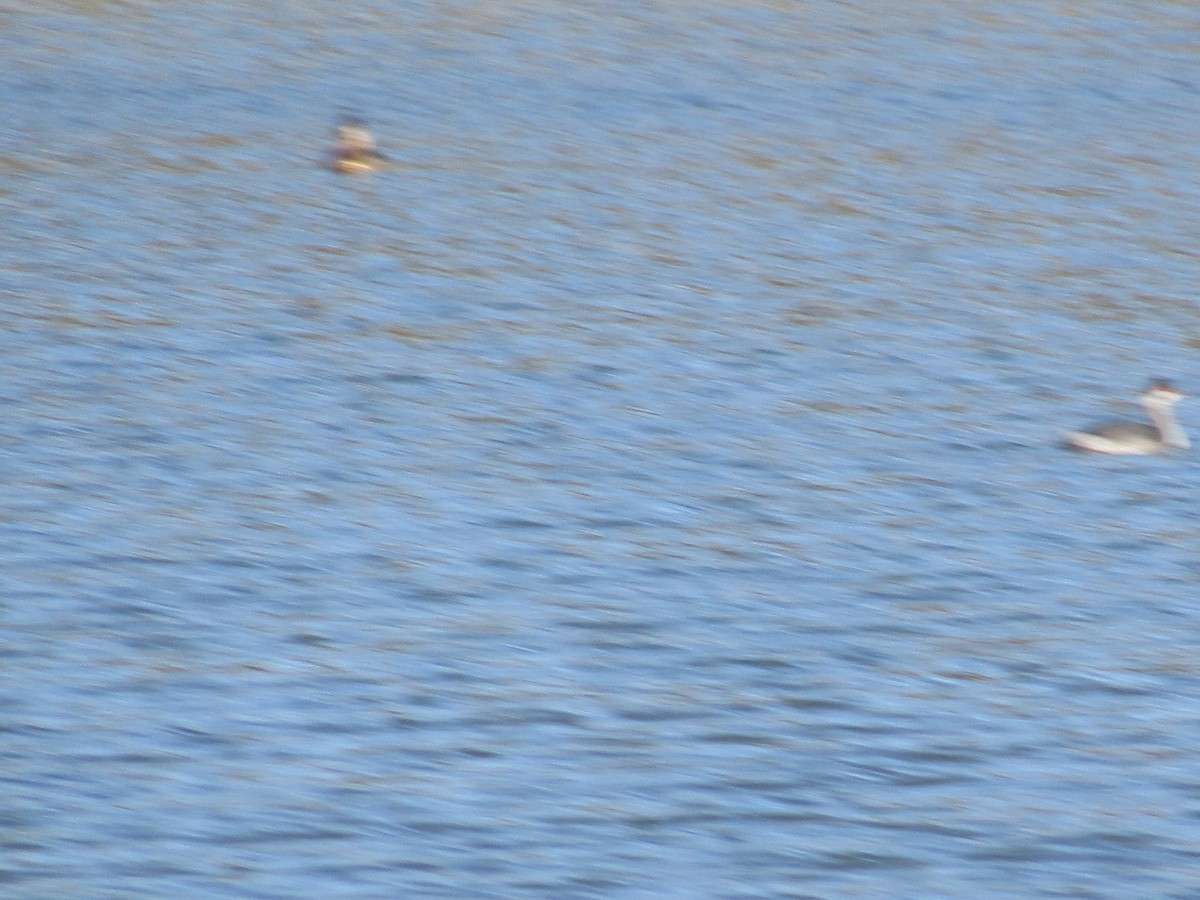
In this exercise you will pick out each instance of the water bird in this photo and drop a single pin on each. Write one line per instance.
(1161, 434)
(355, 152)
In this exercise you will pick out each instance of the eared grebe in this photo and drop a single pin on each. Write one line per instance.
(1164, 433)
(355, 152)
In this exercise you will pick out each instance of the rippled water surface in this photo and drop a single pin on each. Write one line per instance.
(647, 487)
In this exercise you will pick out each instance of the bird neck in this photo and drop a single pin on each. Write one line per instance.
(1168, 426)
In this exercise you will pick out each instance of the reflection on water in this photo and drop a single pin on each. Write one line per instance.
(648, 485)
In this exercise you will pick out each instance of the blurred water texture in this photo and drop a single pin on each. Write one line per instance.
(647, 487)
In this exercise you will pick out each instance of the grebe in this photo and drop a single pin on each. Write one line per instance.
(355, 152)
(1165, 432)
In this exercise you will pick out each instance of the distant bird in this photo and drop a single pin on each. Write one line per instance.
(355, 152)
(1162, 434)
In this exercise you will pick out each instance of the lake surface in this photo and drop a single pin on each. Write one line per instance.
(649, 486)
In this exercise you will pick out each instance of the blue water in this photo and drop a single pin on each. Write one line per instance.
(649, 486)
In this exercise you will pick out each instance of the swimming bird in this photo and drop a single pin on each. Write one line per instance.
(355, 152)
(1161, 434)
